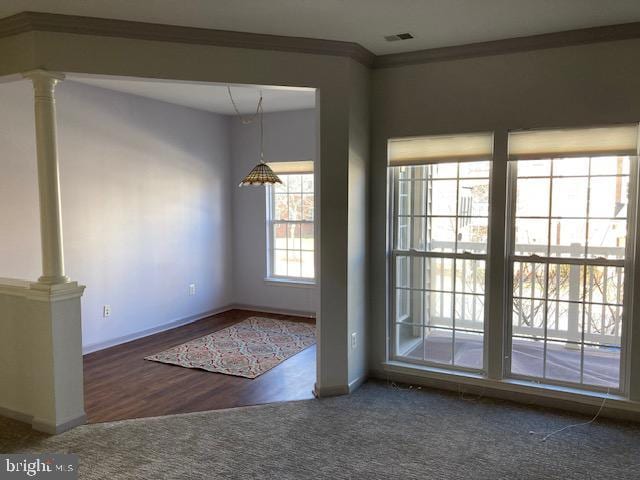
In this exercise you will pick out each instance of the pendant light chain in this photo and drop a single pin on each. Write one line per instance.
(243, 118)
(261, 174)
(261, 115)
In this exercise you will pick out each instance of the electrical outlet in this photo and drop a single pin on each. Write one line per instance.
(354, 340)
(106, 311)
(192, 289)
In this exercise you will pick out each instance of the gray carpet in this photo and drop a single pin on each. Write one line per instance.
(380, 432)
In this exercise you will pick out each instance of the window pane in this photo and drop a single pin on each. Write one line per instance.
(402, 241)
(410, 306)
(307, 264)
(418, 233)
(409, 342)
(281, 187)
(469, 312)
(571, 166)
(474, 198)
(443, 170)
(607, 238)
(403, 272)
(603, 324)
(532, 198)
(566, 282)
(281, 207)
(280, 236)
(280, 263)
(438, 346)
(404, 204)
(609, 196)
(438, 309)
(295, 207)
(307, 207)
(442, 234)
(293, 263)
(419, 193)
(569, 197)
(610, 166)
(475, 169)
(602, 366)
(534, 168)
(527, 357)
(443, 197)
(532, 236)
(564, 321)
(307, 237)
(294, 183)
(528, 317)
(307, 183)
(470, 276)
(469, 350)
(568, 237)
(293, 236)
(472, 235)
(417, 272)
(529, 279)
(563, 361)
(439, 274)
(605, 284)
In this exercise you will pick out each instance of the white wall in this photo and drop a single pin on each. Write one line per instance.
(146, 203)
(288, 136)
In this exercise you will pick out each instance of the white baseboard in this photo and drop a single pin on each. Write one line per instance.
(94, 347)
(15, 415)
(44, 426)
(330, 390)
(280, 311)
(55, 429)
(357, 383)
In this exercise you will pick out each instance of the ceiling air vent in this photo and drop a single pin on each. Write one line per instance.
(398, 36)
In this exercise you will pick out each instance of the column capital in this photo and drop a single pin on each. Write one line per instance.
(39, 73)
(44, 82)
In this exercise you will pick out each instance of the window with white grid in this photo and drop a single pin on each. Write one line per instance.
(440, 216)
(570, 219)
(290, 218)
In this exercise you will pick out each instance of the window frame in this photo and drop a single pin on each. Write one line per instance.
(499, 288)
(627, 263)
(270, 222)
(394, 193)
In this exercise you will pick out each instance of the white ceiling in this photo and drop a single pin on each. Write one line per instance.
(208, 96)
(434, 23)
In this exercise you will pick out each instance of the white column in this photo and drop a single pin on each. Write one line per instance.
(48, 176)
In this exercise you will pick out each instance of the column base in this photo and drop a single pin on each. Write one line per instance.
(53, 279)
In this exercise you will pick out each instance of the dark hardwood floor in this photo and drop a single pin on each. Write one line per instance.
(119, 384)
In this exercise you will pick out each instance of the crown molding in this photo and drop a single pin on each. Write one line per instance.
(50, 22)
(567, 38)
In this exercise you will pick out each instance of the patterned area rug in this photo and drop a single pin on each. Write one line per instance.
(247, 349)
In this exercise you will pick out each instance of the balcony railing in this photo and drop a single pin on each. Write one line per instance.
(579, 290)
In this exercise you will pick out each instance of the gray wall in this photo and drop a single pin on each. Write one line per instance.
(146, 202)
(571, 86)
(170, 60)
(288, 136)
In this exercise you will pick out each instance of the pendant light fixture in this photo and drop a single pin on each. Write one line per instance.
(261, 174)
